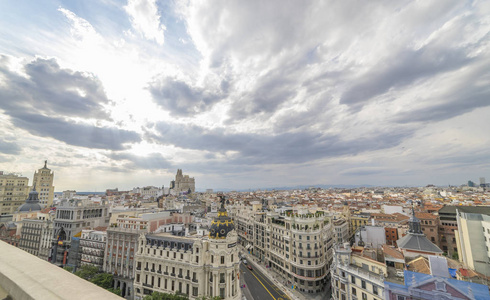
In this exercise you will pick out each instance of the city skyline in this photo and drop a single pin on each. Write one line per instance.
(245, 94)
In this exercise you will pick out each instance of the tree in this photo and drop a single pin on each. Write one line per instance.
(165, 296)
(87, 272)
(115, 291)
(68, 268)
(104, 280)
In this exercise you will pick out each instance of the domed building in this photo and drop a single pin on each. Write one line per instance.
(32, 202)
(222, 225)
(223, 257)
(198, 266)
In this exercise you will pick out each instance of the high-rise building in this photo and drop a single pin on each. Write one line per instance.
(13, 192)
(448, 225)
(473, 240)
(183, 183)
(43, 183)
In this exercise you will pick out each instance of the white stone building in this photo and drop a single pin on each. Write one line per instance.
(192, 265)
(356, 276)
(92, 248)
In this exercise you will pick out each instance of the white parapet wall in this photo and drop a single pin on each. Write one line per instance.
(24, 276)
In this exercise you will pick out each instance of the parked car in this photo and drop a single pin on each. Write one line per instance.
(244, 261)
(250, 267)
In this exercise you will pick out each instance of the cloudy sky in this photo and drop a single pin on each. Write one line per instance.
(245, 94)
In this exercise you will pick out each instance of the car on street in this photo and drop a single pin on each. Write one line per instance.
(250, 267)
(244, 261)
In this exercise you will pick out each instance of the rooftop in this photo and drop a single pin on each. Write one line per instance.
(24, 276)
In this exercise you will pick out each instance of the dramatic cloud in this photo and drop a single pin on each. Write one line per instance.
(77, 134)
(7, 147)
(150, 162)
(51, 90)
(272, 93)
(146, 19)
(43, 101)
(286, 148)
(181, 98)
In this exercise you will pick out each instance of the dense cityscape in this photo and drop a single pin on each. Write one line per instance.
(314, 243)
(244, 150)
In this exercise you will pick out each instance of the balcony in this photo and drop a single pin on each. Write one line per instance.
(194, 280)
(148, 285)
(159, 271)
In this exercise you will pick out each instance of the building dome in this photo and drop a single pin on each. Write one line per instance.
(221, 225)
(32, 202)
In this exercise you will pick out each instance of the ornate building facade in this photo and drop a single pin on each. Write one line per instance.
(13, 192)
(43, 183)
(183, 183)
(195, 266)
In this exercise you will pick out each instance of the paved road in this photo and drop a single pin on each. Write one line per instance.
(260, 286)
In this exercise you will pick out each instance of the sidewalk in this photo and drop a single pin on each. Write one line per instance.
(277, 280)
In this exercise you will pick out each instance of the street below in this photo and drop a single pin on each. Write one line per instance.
(260, 287)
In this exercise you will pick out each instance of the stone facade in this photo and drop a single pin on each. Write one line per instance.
(43, 183)
(183, 183)
(121, 246)
(14, 190)
(92, 248)
(356, 276)
(71, 217)
(195, 266)
(297, 245)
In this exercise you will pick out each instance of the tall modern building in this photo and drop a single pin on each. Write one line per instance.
(43, 183)
(13, 192)
(183, 183)
(473, 240)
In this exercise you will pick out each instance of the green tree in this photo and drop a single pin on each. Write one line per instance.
(68, 268)
(165, 296)
(115, 291)
(104, 280)
(87, 272)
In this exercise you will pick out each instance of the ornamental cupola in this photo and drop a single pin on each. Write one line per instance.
(222, 224)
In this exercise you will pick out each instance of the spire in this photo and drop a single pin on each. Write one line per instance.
(45, 164)
(414, 223)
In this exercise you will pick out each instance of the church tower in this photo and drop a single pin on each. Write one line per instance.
(43, 184)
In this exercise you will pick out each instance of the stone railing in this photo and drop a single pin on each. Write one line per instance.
(25, 276)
